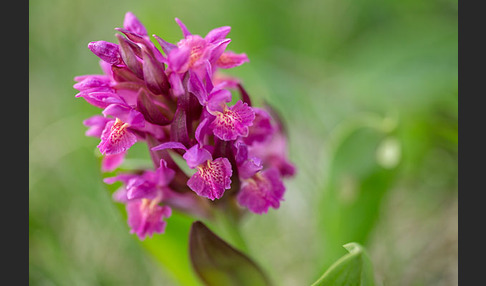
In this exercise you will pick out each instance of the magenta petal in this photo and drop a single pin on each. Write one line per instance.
(169, 145)
(185, 31)
(100, 99)
(135, 37)
(262, 191)
(122, 74)
(230, 60)
(132, 24)
(88, 82)
(129, 96)
(225, 81)
(153, 110)
(106, 68)
(142, 186)
(166, 46)
(130, 53)
(201, 131)
(164, 174)
(241, 152)
(217, 34)
(261, 128)
(287, 169)
(145, 219)
(154, 74)
(124, 178)
(196, 156)
(178, 59)
(217, 49)
(197, 51)
(106, 51)
(212, 179)
(196, 87)
(249, 167)
(274, 153)
(209, 79)
(154, 130)
(116, 138)
(233, 122)
(96, 125)
(245, 113)
(126, 114)
(218, 99)
(176, 84)
(111, 162)
(120, 195)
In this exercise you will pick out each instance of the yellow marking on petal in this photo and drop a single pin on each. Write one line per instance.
(153, 204)
(148, 206)
(228, 118)
(145, 203)
(211, 172)
(118, 130)
(258, 176)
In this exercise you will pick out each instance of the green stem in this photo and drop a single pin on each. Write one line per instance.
(229, 226)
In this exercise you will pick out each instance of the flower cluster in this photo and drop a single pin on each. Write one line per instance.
(178, 102)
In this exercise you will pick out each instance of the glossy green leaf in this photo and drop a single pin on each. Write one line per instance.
(353, 269)
(218, 263)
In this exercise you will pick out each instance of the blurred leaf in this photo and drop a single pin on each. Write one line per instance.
(354, 268)
(218, 263)
(357, 181)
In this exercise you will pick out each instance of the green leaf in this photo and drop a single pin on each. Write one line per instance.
(365, 159)
(354, 268)
(218, 263)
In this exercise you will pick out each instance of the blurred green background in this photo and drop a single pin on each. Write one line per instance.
(368, 90)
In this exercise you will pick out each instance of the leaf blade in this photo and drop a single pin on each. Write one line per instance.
(352, 269)
(218, 263)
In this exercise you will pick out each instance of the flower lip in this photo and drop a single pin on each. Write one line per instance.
(116, 138)
(233, 122)
(264, 190)
(145, 217)
(212, 179)
(262, 128)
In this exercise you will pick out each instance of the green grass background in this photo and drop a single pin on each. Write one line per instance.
(368, 90)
